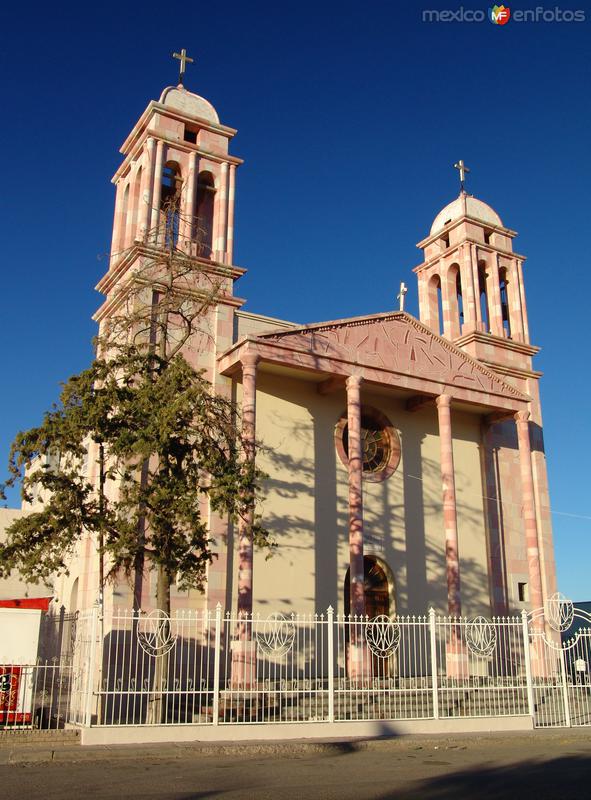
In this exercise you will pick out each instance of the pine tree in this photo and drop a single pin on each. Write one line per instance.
(168, 443)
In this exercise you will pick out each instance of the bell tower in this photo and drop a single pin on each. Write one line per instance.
(177, 149)
(175, 196)
(471, 280)
(471, 292)
(175, 190)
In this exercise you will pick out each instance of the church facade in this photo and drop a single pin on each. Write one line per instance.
(404, 456)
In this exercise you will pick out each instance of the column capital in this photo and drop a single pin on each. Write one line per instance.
(150, 141)
(249, 360)
(443, 400)
(354, 381)
(522, 416)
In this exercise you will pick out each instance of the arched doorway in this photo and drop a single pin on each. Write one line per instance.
(376, 586)
(379, 600)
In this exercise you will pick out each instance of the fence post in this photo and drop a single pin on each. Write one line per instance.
(216, 663)
(527, 658)
(564, 687)
(433, 640)
(91, 667)
(330, 623)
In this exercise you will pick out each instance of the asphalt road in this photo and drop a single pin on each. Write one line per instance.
(540, 767)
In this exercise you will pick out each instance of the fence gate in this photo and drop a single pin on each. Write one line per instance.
(560, 662)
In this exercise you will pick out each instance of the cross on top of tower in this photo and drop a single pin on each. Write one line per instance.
(184, 59)
(463, 169)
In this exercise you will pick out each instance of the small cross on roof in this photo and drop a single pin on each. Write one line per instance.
(184, 59)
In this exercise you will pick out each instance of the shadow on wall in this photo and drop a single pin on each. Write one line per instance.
(418, 565)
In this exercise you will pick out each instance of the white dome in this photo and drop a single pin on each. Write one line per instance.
(189, 104)
(474, 208)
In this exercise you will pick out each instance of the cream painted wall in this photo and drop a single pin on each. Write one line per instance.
(305, 506)
(15, 587)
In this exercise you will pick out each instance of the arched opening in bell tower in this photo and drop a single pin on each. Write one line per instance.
(435, 304)
(203, 232)
(454, 301)
(170, 202)
(171, 182)
(503, 284)
(460, 299)
(483, 297)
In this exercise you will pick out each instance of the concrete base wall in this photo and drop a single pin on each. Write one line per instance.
(314, 730)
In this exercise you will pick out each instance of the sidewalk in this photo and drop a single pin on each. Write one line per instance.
(17, 750)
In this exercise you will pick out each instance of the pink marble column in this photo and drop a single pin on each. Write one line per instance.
(231, 201)
(524, 319)
(245, 543)
(146, 189)
(468, 289)
(355, 455)
(529, 514)
(493, 290)
(157, 192)
(476, 279)
(188, 204)
(450, 523)
(118, 221)
(222, 197)
(244, 672)
(132, 205)
(514, 302)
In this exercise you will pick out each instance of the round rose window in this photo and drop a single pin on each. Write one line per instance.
(379, 440)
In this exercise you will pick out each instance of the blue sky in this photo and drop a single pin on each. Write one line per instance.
(349, 117)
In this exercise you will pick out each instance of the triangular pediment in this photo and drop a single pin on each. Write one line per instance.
(394, 342)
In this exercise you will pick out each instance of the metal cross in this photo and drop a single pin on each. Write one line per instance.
(463, 169)
(184, 59)
(401, 294)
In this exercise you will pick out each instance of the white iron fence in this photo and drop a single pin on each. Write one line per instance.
(38, 694)
(206, 668)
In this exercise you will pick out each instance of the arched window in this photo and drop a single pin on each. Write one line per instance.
(203, 233)
(483, 297)
(380, 607)
(170, 196)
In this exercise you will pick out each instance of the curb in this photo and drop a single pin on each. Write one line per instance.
(24, 753)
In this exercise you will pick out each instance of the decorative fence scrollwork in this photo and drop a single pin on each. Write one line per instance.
(277, 636)
(481, 637)
(382, 635)
(155, 633)
(560, 612)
